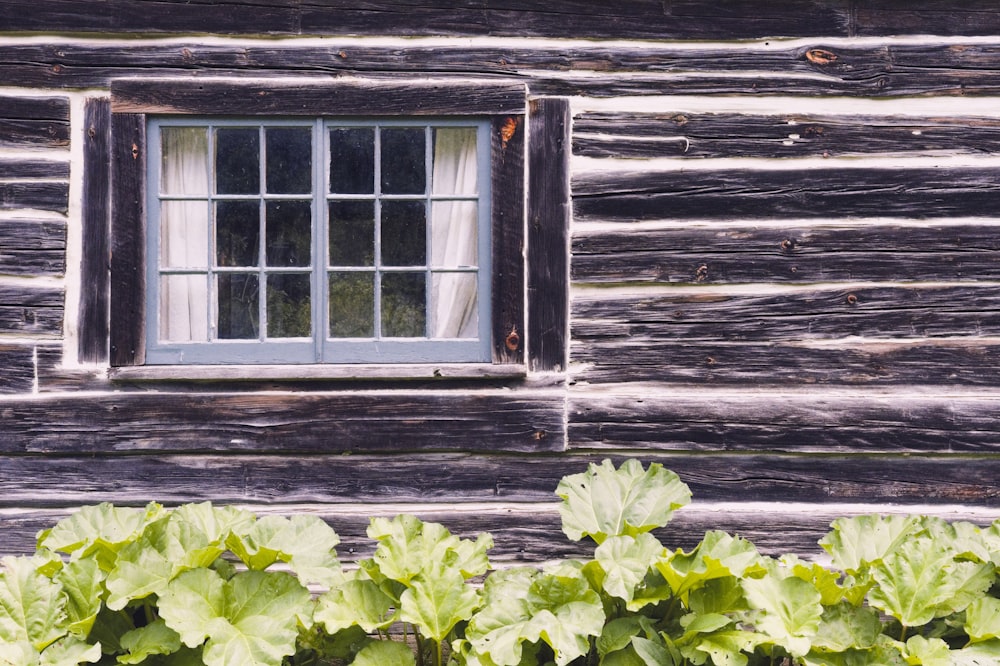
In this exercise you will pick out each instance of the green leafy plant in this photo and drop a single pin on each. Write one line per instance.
(219, 586)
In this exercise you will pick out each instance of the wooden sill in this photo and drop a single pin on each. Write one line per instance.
(157, 373)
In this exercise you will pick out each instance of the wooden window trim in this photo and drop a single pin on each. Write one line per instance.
(133, 99)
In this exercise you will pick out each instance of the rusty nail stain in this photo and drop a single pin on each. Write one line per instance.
(91, 131)
(680, 119)
(787, 244)
(513, 340)
(135, 151)
(342, 54)
(508, 130)
(710, 360)
(851, 299)
(701, 274)
(538, 435)
(821, 56)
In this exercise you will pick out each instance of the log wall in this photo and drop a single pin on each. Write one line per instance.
(761, 249)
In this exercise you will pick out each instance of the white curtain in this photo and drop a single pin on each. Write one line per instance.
(184, 233)
(454, 233)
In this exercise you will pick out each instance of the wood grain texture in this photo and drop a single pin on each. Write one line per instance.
(21, 167)
(18, 377)
(807, 193)
(821, 313)
(32, 247)
(548, 233)
(29, 310)
(288, 423)
(34, 122)
(53, 481)
(507, 162)
(717, 135)
(92, 317)
(34, 195)
(689, 418)
(773, 253)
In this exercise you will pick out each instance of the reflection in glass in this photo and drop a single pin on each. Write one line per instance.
(289, 233)
(238, 299)
(352, 160)
(352, 233)
(403, 160)
(237, 233)
(352, 305)
(289, 314)
(183, 314)
(289, 160)
(184, 160)
(455, 298)
(404, 311)
(237, 161)
(404, 233)
(184, 234)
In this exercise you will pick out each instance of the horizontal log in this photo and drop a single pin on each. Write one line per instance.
(717, 135)
(292, 422)
(17, 361)
(686, 316)
(790, 363)
(32, 247)
(34, 122)
(869, 251)
(808, 193)
(54, 481)
(34, 168)
(35, 195)
(31, 310)
(686, 418)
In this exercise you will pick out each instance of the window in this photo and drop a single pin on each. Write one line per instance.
(291, 223)
(324, 240)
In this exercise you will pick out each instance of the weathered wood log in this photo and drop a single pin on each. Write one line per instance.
(34, 195)
(713, 254)
(34, 122)
(32, 247)
(807, 193)
(26, 309)
(92, 318)
(17, 361)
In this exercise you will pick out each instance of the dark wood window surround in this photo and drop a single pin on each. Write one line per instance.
(525, 334)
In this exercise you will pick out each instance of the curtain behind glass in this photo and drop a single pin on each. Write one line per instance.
(454, 233)
(184, 234)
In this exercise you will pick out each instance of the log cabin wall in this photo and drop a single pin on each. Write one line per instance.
(762, 248)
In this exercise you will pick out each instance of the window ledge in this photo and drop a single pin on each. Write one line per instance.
(315, 372)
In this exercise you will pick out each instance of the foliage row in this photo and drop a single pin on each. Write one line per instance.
(218, 586)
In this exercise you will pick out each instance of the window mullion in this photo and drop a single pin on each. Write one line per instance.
(378, 234)
(321, 236)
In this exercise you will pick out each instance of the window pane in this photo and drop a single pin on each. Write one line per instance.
(237, 233)
(184, 234)
(352, 160)
(404, 233)
(238, 299)
(455, 161)
(352, 305)
(403, 305)
(455, 233)
(184, 160)
(455, 300)
(289, 314)
(289, 233)
(403, 166)
(352, 233)
(183, 308)
(289, 160)
(237, 161)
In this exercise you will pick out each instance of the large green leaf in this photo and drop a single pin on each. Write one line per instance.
(727, 647)
(101, 530)
(384, 653)
(152, 639)
(409, 547)
(846, 627)
(32, 607)
(986, 653)
(719, 555)
(436, 602)
(920, 580)
(856, 542)
(982, 619)
(625, 561)
(791, 610)
(928, 651)
(250, 619)
(306, 543)
(70, 651)
(604, 501)
(83, 582)
(355, 602)
(499, 630)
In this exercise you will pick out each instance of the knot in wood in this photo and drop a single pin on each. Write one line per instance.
(513, 340)
(821, 56)
(701, 273)
(507, 131)
(852, 299)
(788, 244)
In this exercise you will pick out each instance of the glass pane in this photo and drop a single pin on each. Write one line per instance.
(289, 314)
(455, 161)
(352, 160)
(183, 308)
(352, 233)
(352, 305)
(454, 233)
(404, 312)
(455, 300)
(404, 233)
(289, 233)
(237, 233)
(237, 161)
(184, 234)
(238, 299)
(184, 163)
(403, 166)
(289, 160)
